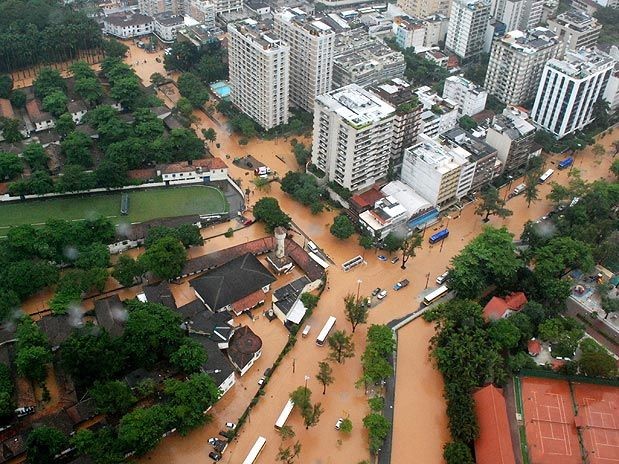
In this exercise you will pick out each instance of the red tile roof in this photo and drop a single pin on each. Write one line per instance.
(142, 174)
(534, 347)
(368, 198)
(6, 109)
(250, 301)
(497, 306)
(494, 445)
(204, 163)
(33, 107)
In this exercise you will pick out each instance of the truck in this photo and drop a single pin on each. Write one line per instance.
(518, 190)
(401, 284)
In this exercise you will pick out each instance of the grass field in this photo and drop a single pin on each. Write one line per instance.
(144, 205)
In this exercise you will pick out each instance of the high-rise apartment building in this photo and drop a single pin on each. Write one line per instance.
(568, 90)
(576, 29)
(228, 6)
(467, 27)
(259, 74)
(311, 44)
(516, 63)
(153, 7)
(439, 114)
(409, 32)
(468, 96)
(202, 11)
(509, 12)
(512, 135)
(407, 120)
(352, 136)
(532, 11)
(424, 8)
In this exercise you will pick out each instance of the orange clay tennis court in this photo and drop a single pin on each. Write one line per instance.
(549, 422)
(598, 421)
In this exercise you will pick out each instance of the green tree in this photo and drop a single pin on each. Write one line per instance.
(18, 98)
(10, 130)
(409, 247)
(457, 452)
(531, 187)
(301, 397)
(113, 397)
(346, 426)
(191, 87)
(81, 69)
(43, 444)
(7, 390)
(614, 168)
(378, 428)
(311, 415)
(6, 85)
(355, 310)
(35, 156)
(341, 346)
(10, 166)
(325, 375)
(185, 108)
(76, 149)
(64, 125)
(492, 205)
(127, 270)
(55, 103)
(309, 301)
(189, 357)
(74, 179)
(504, 334)
(286, 432)
(366, 242)
(595, 360)
(127, 91)
(165, 258)
(209, 134)
(157, 79)
(342, 227)
(114, 48)
(289, 454)
(141, 429)
(101, 446)
(110, 174)
(268, 211)
(467, 123)
(90, 89)
(9, 304)
(48, 80)
(32, 361)
(392, 242)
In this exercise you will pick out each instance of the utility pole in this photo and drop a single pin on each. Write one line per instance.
(427, 279)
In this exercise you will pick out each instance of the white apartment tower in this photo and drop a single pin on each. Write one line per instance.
(311, 55)
(516, 63)
(467, 27)
(568, 90)
(228, 6)
(468, 96)
(352, 136)
(259, 70)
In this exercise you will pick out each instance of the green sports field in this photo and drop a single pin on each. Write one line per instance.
(144, 205)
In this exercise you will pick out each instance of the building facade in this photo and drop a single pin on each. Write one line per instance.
(468, 96)
(575, 29)
(228, 6)
(126, 26)
(311, 44)
(439, 114)
(568, 90)
(424, 8)
(352, 136)
(511, 134)
(407, 120)
(467, 27)
(153, 7)
(202, 11)
(409, 32)
(166, 26)
(259, 74)
(516, 63)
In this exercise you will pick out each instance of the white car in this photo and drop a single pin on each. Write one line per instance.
(382, 295)
(231, 425)
(212, 440)
(440, 279)
(261, 380)
(338, 424)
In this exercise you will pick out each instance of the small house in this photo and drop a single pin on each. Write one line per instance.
(244, 349)
(42, 120)
(498, 308)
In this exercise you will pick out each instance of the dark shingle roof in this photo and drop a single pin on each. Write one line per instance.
(82, 411)
(244, 344)
(161, 294)
(288, 294)
(111, 315)
(216, 360)
(58, 328)
(232, 281)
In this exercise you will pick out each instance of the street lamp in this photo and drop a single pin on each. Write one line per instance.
(427, 279)
(509, 186)
(359, 282)
(306, 379)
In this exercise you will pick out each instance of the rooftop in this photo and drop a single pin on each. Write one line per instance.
(111, 315)
(582, 63)
(262, 38)
(6, 109)
(494, 445)
(58, 328)
(406, 196)
(577, 19)
(433, 153)
(232, 281)
(36, 113)
(497, 306)
(357, 106)
(124, 20)
(396, 92)
(161, 294)
(531, 41)
(512, 124)
(286, 296)
(300, 19)
(477, 148)
(168, 19)
(217, 365)
(183, 166)
(244, 344)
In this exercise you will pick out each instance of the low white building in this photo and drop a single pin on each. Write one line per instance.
(386, 216)
(166, 26)
(440, 114)
(126, 26)
(468, 96)
(201, 170)
(77, 109)
(41, 120)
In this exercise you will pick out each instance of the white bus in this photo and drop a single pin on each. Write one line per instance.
(544, 177)
(255, 451)
(324, 333)
(283, 417)
(321, 262)
(435, 295)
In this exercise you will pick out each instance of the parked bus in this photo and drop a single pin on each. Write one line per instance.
(283, 417)
(544, 177)
(435, 295)
(440, 235)
(255, 451)
(321, 262)
(566, 163)
(348, 265)
(324, 333)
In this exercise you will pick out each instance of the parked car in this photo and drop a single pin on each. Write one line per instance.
(382, 257)
(401, 284)
(395, 259)
(376, 291)
(26, 410)
(261, 380)
(338, 424)
(382, 295)
(214, 455)
(212, 440)
(231, 425)
(220, 446)
(440, 279)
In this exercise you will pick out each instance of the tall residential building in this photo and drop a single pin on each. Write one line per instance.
(516, 63)
(467, 27)
(512, 136)
(259, 70)
(468, 96)
(424, 8)
(576, 29)
(202, 11)
(436, 30)
(509, 12)
(352, 136)
(364, 60)
(439, 114)
(531, 14)
(407, 120)
(439, 173)
(409, 32)
(228, 6)
(311, 44)
(153, 7)
(569, 89)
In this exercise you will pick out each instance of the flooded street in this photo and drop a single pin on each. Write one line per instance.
(420, 423)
